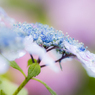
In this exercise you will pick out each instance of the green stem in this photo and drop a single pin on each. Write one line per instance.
(23, 74)
(21, 86)
(48, 88)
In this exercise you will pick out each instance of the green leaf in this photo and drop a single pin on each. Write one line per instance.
(33, 70)
(15, 65)
(8, 87)
(48, 88)
(30, 62)
(2, 92)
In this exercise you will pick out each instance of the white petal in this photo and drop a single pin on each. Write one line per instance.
(4, 65)
(12, 55)
(35, 49)
(49, 61)
(32, 47)
(71, 48)
(28, 40)
(88, 59)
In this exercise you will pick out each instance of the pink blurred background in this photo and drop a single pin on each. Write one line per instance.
(77, 17)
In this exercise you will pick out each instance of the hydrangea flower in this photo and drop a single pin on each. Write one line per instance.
(40, 37)
(43, 35)
(13, 46)
(46, 37)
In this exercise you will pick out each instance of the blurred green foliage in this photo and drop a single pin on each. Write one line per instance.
(89, 88)
(8, 87)
(30, 8)
(2, 92)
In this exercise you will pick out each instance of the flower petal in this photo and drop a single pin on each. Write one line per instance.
(33, 48)
(4, 65)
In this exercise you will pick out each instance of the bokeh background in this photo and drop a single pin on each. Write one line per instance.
(77, 17)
